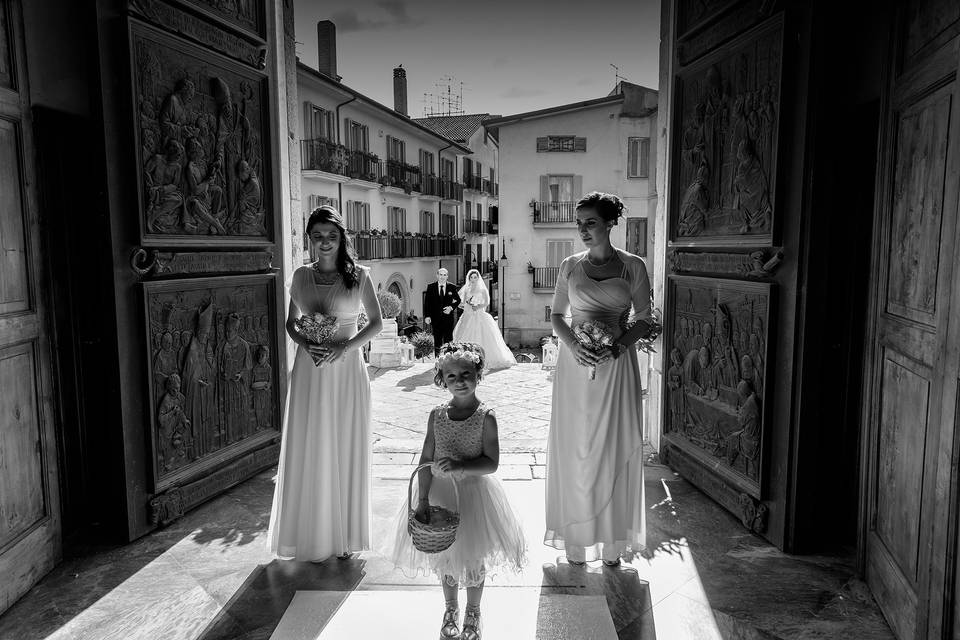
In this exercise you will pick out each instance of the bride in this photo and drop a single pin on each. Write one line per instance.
(478, 326)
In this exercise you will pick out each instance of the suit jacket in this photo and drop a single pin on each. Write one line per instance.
(434, 302)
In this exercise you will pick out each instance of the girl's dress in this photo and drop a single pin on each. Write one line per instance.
(321, 502)
(479, 327)
(489, 537)
(594, 493)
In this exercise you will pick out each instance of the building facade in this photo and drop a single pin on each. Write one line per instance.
(394, 181)
(479, 173)
(549, 159)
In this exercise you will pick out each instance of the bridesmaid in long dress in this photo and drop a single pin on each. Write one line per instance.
(322, 497)
(594, 495)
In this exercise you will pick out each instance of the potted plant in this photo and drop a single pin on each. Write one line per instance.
(530, 267)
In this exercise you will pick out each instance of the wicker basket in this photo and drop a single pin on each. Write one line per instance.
(442, 530)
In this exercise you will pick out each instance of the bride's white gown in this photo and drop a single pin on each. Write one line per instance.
(479, 327)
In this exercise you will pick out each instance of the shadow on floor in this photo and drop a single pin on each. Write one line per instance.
(628, 597)
(410, 383)
(257, 606)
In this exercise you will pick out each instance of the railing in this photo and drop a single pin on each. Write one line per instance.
(488, 226)
(550, 212)
(431, 185)
(325, 155)
(472, 226)
(379, 247)
(473, 182)
(545, 277)
(402, 175)
(486, 186)
(496, 189)
(365, 166)
(452, 191)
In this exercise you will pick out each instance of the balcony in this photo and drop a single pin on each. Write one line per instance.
(554, 212)
(452, 191)
(472, 226)
(365, 166)
(381, 246)
(403, 176)
(325, 155)
(486, 186)
(431, 185)
(545, 277)
(489, 227)
(473, 182)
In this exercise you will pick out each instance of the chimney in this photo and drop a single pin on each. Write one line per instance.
(400, 90)
(327, 49)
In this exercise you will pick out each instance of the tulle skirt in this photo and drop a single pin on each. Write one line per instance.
(321, 502)
(480, 328)
(489, 539)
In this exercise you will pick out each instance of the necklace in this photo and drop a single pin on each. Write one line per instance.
(605, 262)
(325, 277)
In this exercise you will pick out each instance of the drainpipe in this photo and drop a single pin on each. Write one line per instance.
(440, 213)
(337, 116)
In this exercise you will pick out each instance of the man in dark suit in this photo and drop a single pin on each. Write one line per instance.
(440, 304)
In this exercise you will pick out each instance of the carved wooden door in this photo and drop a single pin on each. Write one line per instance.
(29, 504)
(206, 141)
(733, 76)
(910, 398)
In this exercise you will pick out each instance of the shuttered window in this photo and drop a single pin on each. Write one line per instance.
(467, 169)
(396, 219)
(638, 157)
(446, 169)
(448, 224)
(358, 215)
(426, 222)
(426, 163)
(561, 143)
(557, 250)
(396, 149)
(357, 136)
(318, 123)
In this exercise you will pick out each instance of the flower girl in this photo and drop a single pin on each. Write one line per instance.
(462, 446)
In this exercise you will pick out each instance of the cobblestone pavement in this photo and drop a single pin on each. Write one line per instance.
(403, 398)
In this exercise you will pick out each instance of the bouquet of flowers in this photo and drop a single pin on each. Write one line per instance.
(317, 328)
(594, 336)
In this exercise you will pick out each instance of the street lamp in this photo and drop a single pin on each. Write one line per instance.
(503, 292)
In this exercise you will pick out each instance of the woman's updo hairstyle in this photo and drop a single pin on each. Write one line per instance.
(346, 256)
(462, 351)
(607, 205)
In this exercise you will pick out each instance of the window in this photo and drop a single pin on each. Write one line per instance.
(396, 220)
(318, 123)
(358, 216)
(396, 149)
(467, 170)
(560, 188)
(492, 179)
(479, 171)
(426, 163)
(479, 211)
(561, 143)
(446, 169)
(357, 136)
(547, 312)
(448, 224)
(557, 250)
(468, 214)
(638, 157)
(426, 222)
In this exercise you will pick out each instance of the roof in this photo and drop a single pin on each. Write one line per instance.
(459, 128)
(573, 106)
(302, 68)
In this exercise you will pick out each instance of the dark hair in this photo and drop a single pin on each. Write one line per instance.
(607, 205)
(450, 347)
(346, 257)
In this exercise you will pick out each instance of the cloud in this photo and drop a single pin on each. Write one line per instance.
(522, 92)
(349, 20)
(585, 82)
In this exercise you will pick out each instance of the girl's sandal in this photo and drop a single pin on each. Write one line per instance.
(471, 624)
(449, 628)
(612, 563)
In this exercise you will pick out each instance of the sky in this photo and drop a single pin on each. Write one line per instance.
(512, 56)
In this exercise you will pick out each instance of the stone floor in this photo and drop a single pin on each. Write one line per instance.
(208, 575)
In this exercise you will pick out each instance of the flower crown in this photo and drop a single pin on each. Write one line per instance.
(466, 352)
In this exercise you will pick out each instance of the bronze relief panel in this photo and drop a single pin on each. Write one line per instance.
(212, 366)
(727, 117)
(203, 145)
(717, 347)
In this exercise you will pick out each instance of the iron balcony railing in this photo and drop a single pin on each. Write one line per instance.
(553, 212)
(486, 186)
(381, 247)
(472, 226)
(473, 182)
(489, 226)
(402, 175)
(325, 155)
(452, 190)
(365, 166)
(545, 277)
(431, 185)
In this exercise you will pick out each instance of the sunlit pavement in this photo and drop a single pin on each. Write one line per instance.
(208, 575)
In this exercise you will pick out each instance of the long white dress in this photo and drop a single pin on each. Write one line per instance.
(479, 327)
(594, 492)
(321, 503)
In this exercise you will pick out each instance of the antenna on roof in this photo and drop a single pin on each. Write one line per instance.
(616, 75)
(447, 101)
